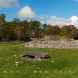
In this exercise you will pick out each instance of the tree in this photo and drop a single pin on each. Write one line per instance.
(35, 28)
(53, 30)
(68, 31)
(2, 26)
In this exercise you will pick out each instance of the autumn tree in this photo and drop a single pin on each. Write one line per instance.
(68, 31)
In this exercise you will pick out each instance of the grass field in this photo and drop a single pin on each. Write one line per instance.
(62, 64)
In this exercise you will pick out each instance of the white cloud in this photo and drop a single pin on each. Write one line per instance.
(74, 20)
(8, 3)
(53, 20)
(26, 12)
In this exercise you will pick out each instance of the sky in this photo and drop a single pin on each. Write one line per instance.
(47, 11)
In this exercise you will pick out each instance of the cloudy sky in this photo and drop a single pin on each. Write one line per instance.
(48, 11)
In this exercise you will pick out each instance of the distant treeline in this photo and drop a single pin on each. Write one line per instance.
(25, 31)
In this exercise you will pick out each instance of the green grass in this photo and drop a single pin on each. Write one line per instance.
(62, 64)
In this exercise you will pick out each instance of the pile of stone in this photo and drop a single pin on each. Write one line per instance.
(48, 43)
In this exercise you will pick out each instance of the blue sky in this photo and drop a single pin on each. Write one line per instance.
(58, 8)
(64, 8)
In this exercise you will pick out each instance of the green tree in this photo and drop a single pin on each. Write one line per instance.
(68, 31)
